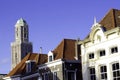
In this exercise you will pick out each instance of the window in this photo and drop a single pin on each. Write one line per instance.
(55, 76)
(116, 71)
(92, 74)
(29, 65)
(114, 50)
(71, 75)
(16, 58)
(25, 35)
(91, 55)
(46, 76)
(103, 72)
(50, 58)
(102, 53)
(16, 32)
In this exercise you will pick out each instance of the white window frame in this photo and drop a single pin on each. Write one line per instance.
(91, 55)
(50, 54)
(103, 73)
(102, 53)
(113, 47)
(92, 74)
(116, 70)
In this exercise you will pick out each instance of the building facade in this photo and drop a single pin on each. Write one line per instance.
(59, 64)
(97, 57)
(21, 46)
(100, 50)
(62, 63)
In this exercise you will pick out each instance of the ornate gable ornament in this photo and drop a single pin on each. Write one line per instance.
(94, 29)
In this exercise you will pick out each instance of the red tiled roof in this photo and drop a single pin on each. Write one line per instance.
(111, 20)
(21, 67)
(65, 50)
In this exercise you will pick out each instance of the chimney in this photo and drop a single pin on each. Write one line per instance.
(40, 49)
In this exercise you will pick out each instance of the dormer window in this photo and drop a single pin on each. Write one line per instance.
(29, 65)
(50, 56)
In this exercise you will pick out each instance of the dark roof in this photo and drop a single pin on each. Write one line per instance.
(21, 67)
(111, 19)
(65, 50)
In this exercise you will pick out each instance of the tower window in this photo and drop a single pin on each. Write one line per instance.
(16, 32)
(16, 58)
(25, 35)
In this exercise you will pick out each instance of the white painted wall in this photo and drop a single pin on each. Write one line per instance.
(99, 40)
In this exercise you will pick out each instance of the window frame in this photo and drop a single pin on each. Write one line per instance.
(103, 73)
(92, 73)
(115, 70)
(71, 71)
(102, 53)
(50, 58)
(114, 49)
(54, 75)
(46, 76)
(91, 55)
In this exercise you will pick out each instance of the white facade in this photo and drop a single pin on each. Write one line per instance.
(100, 54)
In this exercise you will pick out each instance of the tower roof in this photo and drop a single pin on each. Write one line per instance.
(21, 22)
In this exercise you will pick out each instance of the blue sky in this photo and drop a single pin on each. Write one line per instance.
(50, 21)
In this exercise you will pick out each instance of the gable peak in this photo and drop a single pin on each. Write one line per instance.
(95, 23)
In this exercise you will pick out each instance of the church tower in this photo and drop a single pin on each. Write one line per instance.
(21, 46)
